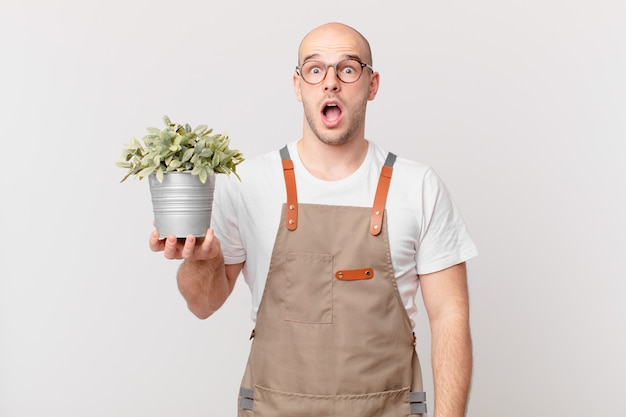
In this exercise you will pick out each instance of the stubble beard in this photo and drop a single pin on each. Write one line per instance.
(335, 137)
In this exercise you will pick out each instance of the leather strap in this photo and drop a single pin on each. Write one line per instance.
(378, 210)
(376, 219)
(354, 274)
(290, 184)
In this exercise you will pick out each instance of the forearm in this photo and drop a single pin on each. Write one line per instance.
(452, 366)
(204, 285)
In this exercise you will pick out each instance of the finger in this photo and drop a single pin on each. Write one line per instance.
(171, 247)
(189, 247)
(156, 244)
(211, 244)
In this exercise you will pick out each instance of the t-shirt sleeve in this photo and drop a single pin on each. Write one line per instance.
(444, 240)
(224, 218)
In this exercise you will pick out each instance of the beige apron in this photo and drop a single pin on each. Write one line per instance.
(332, 337)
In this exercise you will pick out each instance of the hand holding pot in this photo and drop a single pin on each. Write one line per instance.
(203, 279)
(191, 248)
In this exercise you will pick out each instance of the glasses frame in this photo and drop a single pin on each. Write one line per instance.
(334, 66)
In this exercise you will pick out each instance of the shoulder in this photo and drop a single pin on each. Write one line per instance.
(259, 163)
(254, 169)
(406, 172)
(259, 180)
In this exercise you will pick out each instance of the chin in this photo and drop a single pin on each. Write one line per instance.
(333, 141)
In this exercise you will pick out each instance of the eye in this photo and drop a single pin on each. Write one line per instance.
(349, 67)
(313, 68)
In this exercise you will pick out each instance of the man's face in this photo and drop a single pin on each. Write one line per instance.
(334, 111)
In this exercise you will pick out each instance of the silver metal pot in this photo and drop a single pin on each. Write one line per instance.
(182, 204)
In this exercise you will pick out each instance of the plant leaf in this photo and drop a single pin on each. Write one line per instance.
(187, 155)
(196, 170)
(216, 159)
(203, 176)
(200, 129)
(145, 172)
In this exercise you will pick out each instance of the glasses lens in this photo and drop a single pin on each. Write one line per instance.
(349, 70)
(313, 72)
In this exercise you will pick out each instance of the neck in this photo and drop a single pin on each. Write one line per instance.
(332, 162)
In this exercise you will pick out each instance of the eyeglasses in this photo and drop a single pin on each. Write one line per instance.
(348, 70)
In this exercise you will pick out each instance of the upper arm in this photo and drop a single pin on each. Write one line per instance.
(445, 293)
(232, 272)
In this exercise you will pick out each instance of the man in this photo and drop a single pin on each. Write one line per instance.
(333, 290)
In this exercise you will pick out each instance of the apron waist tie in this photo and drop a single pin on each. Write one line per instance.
(417, 401)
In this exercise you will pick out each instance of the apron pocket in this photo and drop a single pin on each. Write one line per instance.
(308, 291)
(268, 402)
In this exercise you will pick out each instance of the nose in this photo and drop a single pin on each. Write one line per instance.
(331, 81)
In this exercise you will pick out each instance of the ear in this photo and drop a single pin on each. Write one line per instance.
(374, 83)
(296, 86)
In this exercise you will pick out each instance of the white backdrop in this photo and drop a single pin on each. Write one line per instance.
(520, 107)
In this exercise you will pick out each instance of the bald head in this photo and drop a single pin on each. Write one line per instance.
(334, 34)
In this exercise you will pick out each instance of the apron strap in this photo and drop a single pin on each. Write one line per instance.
(290, 184)
(376, 219)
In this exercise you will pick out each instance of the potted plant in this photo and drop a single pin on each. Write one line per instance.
(180, 163)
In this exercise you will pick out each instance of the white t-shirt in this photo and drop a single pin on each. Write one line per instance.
(426, 231)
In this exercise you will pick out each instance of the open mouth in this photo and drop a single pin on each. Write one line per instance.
(331, 113)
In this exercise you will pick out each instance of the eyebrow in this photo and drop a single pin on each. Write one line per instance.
(316, 56)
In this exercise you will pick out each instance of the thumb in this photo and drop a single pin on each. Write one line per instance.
(211, 244)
